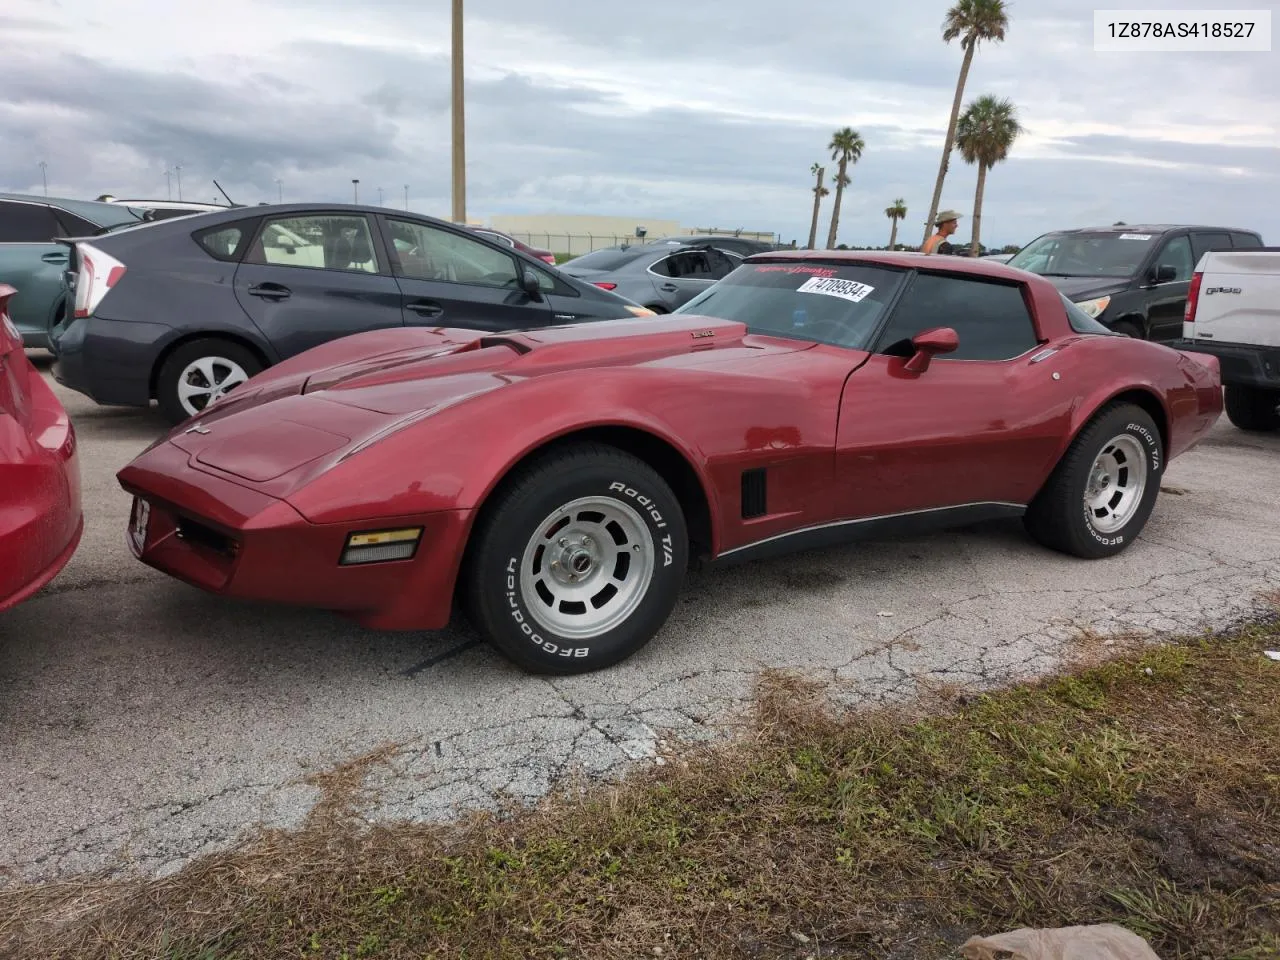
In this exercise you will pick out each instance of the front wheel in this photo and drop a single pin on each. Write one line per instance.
(1252, 408)
(1099, 497)
(200, 372)
(578, 562)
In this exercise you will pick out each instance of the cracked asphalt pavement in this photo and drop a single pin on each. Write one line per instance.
(145, 723)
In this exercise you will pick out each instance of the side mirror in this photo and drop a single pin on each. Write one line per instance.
(928, 344)
(529, 283)
(1164, 273)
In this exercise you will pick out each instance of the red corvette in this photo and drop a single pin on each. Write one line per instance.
(557, 481)
(40, 515)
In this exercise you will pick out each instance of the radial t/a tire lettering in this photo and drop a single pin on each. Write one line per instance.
(1099, 497)
(578, 561)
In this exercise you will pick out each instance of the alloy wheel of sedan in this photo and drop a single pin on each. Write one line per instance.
(201, 371)
(206, 380)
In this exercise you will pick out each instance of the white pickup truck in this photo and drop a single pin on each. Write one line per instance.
(1233, 312)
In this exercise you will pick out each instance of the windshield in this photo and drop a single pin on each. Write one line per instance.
(841, 305)
(1102, 254)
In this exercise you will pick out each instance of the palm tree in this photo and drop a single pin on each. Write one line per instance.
(846, 147)
(984, 135)
(819, 191)
(895, 213)
(973, 21)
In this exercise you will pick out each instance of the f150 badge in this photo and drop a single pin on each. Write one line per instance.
(1210, 291)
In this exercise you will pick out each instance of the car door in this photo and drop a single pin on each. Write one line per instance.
(1167, 298)
(977, 427)
(450, 279)
(308, 278)
(31, 263)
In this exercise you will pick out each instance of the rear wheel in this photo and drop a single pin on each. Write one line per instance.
(200, 372)
(578, 562)
(1099, 497)
(1127, 328)
(658, 308)
(1253, 408)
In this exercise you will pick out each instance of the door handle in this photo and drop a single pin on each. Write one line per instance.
(425, 308)
(669, 288)
(56, 257)
(270, 291)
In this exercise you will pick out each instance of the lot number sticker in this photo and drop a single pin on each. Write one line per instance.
(849, 290)
(1135, 236)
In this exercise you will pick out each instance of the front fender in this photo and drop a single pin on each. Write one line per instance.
(485, 436)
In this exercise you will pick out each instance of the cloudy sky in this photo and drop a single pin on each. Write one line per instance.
(710, 113)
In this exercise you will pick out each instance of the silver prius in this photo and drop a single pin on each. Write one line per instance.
(660, 277)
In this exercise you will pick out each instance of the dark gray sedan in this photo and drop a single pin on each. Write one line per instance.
(184, 310)
(660, 277)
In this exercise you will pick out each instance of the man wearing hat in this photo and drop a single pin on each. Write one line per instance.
(946, 224)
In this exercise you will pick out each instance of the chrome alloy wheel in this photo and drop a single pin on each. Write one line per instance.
(1117, 481)
(587, 567)
(205, 380)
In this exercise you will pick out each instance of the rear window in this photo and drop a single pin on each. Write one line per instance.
(1246, 240)
(840, 305)
(610, 258)
(224, 242)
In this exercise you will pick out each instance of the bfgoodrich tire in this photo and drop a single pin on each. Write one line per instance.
(1099, 497)
(199, 372)
(578, 562)
(1252, 408)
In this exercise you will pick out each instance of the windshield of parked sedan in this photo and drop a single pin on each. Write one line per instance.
(838, 304)
(1102, 254)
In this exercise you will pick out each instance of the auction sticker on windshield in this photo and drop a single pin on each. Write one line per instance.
(1135, 236)
(850, 290)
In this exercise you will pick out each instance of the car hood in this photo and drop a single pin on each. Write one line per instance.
(320, 406)
(1079, 289)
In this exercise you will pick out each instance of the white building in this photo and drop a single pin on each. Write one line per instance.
(580, 233)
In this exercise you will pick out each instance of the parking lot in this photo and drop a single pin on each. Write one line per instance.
(146, 722)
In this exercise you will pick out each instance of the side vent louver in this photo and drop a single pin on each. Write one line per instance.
(755, 494)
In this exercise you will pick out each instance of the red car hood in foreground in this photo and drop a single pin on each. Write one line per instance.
(315, 411)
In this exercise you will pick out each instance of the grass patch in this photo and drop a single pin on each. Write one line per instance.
(1143, 790)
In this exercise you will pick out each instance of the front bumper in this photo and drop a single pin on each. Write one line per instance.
(1242, 364)
(231, 540)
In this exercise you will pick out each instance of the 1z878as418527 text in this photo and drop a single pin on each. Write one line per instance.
(1133, 29)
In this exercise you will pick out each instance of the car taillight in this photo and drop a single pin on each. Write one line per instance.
(98, 273)
(549, 258)
(605, 285)
(1193, 298)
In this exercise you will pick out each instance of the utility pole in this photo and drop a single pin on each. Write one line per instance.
(168, 184)
(459, 124)
(406, 196)
(279, 190)
(355, 190)
(178, 168)
(44, 177)
(379, 196)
